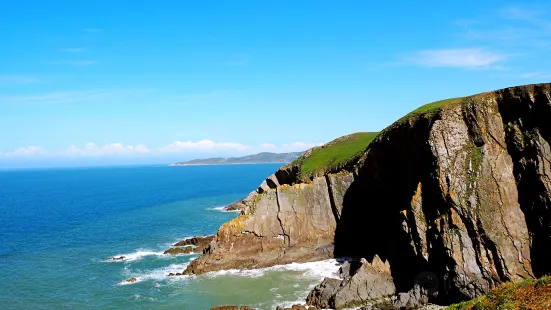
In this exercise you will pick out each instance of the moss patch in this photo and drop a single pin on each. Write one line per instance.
(334, 155)
(527, 294)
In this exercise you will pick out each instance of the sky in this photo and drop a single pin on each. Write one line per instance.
(143, 82)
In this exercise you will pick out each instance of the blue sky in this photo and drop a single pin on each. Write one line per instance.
(102, 82)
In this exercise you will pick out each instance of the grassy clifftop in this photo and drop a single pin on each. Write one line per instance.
(527, 294)
(333, 156)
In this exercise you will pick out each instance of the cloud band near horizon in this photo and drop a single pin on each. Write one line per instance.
(110, 150)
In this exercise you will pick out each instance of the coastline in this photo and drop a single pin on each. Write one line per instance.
(225, 164)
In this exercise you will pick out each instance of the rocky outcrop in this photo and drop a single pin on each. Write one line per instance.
(445, 190)
(198, 243)
(370, 282)
(176, 251)
(288, 223)
(461, 191)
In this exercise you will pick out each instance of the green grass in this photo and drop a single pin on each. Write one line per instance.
(430, 108)
(527, 294)
(334, 155)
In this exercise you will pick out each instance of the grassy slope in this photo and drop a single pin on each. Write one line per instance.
(430, 108)
(339, 153)
(334, 155)
(527, 294)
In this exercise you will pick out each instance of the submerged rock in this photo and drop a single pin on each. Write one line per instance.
(118, 258)
(131, 280)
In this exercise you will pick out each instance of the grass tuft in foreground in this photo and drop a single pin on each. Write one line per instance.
(534, 294)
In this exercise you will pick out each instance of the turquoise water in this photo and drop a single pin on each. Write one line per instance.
(58, 228)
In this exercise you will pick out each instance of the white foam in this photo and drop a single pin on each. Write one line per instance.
(222, 209)
(316, 270)
(137, 255)
(160, 274)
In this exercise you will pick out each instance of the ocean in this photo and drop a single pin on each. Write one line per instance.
(60, 227)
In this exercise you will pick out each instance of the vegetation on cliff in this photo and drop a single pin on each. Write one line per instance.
(333, 156)
(527, 294)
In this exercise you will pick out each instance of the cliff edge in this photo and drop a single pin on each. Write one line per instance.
(459, 189)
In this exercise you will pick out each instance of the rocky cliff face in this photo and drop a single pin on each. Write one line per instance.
(461, 192)
(279, 224)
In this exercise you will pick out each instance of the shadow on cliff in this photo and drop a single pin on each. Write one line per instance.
(526, 122)
(375, 219)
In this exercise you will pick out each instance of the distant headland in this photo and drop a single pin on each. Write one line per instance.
(260, 158)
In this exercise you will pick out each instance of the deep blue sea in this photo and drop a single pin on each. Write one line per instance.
(59, 227)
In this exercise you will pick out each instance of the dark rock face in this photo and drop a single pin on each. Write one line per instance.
(370, 282)
(289, 223)
(463, 193)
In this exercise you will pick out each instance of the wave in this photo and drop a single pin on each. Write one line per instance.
(222, 209)
(159, 274)
(320, 269)
(134, 256)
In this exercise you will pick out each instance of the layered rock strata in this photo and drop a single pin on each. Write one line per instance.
(460, 191)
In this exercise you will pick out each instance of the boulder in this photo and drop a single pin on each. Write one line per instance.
(200, 243)
(175, 251)
(415, 298)
(371, 282)
(131, 280)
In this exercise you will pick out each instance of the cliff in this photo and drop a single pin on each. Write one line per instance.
(287, 219)
(459, 189)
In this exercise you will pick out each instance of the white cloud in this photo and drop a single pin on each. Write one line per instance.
(111, 149)
(28, 151)
(469, 58)
(203, 145)
(177, 147)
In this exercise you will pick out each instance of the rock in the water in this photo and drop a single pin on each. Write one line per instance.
(131, 280)
(118, 258)
(175, 251)
(371, 282)
(323, 295)
(200, 243)
(225, 308)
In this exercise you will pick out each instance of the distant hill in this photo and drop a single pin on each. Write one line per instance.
(260, 158)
